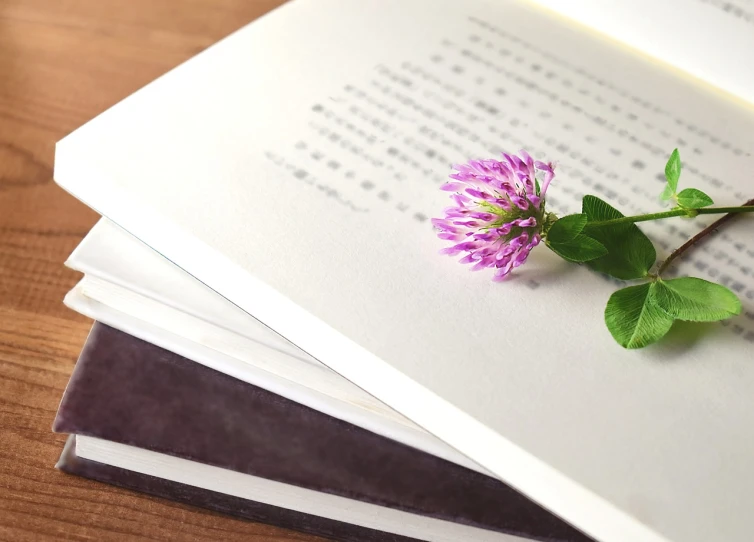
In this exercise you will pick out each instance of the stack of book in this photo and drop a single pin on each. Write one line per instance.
(277, 338)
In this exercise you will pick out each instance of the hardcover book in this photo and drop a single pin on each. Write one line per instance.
(147, 419)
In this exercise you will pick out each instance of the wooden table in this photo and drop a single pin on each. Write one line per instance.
(61, 63)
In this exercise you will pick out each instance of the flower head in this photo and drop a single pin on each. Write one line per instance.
(499, 211)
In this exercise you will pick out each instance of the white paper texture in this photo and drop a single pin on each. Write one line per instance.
(712, 40)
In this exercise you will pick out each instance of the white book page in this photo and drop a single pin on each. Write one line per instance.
(111, 254)
(328, 393)
(293, 167)
(130, 287)
(712, 40)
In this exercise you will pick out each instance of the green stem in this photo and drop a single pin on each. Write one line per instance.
(672, 213)
(721, 210)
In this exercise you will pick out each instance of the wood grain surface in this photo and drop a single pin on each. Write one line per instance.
(61, 63)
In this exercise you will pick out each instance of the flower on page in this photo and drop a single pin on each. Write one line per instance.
(498, 211)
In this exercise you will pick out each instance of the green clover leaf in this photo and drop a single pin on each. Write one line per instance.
(694, 299)
(691, 198)
(633, 319)
(672, 174)
(630, 253)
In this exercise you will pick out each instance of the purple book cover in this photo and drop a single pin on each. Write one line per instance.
(128, 391)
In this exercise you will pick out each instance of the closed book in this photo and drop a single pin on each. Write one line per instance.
(148, 419)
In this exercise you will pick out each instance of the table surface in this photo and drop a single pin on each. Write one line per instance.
(61, 63)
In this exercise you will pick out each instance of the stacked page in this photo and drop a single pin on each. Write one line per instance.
(132, 288)
(293, 167)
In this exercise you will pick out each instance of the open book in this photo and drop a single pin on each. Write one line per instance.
(292, 168)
